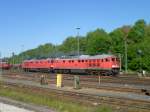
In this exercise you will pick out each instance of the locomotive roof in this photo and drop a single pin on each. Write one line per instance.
(76, 57)
(89, 57)
(95, 56)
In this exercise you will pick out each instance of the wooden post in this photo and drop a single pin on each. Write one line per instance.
(76, 82)
(99, 80)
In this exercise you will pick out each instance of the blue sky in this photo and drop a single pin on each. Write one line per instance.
(34, 22)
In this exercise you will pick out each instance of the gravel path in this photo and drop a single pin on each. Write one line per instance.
(9, 105)
(10, 108)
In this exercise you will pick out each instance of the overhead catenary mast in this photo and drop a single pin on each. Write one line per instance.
(1, 64)
(78, 43)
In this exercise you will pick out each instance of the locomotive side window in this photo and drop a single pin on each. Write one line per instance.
(82, 60)
(63, 61)
(72, 61)
(113, 59)
(107, 60)
(79, 61)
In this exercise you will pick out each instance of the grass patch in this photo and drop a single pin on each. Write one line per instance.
(44, 100)
(103, 109)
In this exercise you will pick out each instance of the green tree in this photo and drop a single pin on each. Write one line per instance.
(98, 42)
(137, 32)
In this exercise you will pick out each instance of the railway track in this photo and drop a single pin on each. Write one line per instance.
(68, 81)
(141, 106)
(118, 79)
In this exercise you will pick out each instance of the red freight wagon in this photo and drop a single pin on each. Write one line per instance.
(5, 65)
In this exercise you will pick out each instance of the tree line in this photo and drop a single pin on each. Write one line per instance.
(137, 38)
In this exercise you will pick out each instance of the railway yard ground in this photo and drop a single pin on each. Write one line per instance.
(123, 93)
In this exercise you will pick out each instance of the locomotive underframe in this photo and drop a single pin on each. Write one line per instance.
(89, 71)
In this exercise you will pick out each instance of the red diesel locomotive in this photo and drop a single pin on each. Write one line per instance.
(85, 64)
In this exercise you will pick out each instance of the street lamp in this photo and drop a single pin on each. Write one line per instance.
(78, 45)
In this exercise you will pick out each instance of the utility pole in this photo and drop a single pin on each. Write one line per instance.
(120, 60)
(140, 53)
(126, 54)
(13, 55)
(126, 30)
(54, 51)
(22, 49)
(1, 65)
(78, 44)
(13, 60)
